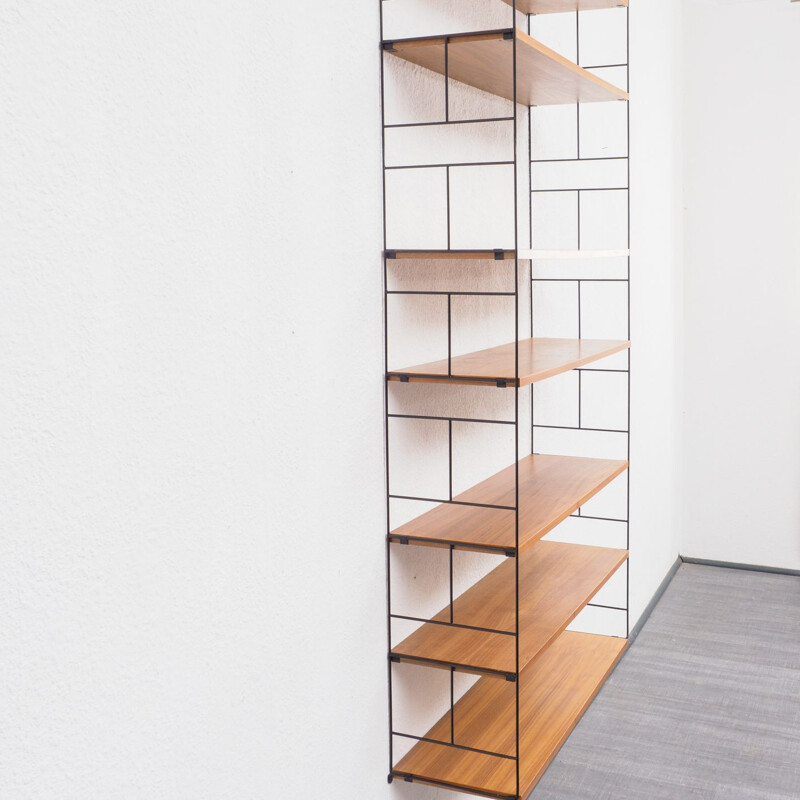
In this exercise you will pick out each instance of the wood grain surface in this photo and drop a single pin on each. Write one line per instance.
(555, 690)
(550, 489)
(539, 359)
(556, 581)
(485, 61)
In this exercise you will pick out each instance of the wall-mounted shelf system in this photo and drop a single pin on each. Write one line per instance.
(510, 634)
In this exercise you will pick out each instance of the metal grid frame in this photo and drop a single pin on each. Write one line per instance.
(497, 254)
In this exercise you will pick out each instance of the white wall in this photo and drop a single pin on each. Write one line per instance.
(742, 334)
(191, 565)
(656, 299)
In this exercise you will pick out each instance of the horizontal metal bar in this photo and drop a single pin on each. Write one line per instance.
(578, 428)
(604, 66)
(455, 164)
(570, 160)
(451, 502)
(449, 36)
(400, 657)
(580, 280)
(491, 253)
(456, 746)
(407, 776)
(452, 294)
(610, 608)
(452, 625)
(448, 122)
(508, 552)
(474, 379)
(600, 369)
(453, 419)
(594, 189)
(599, 519)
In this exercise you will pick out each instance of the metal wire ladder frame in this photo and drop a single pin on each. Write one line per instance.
(499, 254)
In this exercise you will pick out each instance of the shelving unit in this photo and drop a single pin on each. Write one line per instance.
(511, 632)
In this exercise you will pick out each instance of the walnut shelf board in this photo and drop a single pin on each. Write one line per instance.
(550, 489)
(560, 6)
(485, 61)
(555, 691)
(556, 581)
(539, 359)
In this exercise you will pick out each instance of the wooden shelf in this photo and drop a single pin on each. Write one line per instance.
(559, 6)
(550, 489)
(538, 359)
(555, 690)
(556, 581)
(485, 61)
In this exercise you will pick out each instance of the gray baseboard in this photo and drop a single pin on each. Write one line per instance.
(708, 562)
(654, 600)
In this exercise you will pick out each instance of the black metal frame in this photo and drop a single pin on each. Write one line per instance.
(496, 254)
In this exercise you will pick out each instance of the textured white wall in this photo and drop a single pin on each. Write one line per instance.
(191, 565)
(742, 334)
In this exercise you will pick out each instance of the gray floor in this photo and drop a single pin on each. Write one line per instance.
(705, 704)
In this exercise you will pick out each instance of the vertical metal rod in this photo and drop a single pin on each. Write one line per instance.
(452, 612)
(452, 706)
(628, 471)
(450, 453)
(516, 390)
(449, 335)
(447, 80)
(578, 105)
(447, 172)
(386, 400)
(578, 211)
(530, 230)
